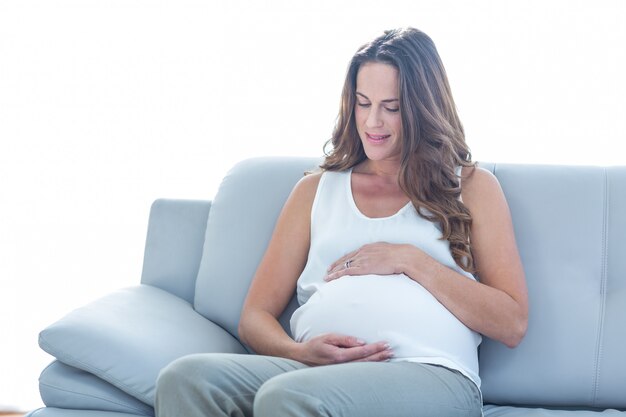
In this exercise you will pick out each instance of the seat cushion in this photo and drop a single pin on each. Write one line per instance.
(61, 412)
(63, 386)
(127, 337)
(497, 411)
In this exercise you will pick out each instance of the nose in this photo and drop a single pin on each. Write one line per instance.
(373, 118)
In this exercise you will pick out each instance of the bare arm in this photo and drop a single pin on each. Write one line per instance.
(274, 284)
(497, 306)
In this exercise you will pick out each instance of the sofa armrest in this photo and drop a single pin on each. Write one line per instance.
(174, 245)
(127, 337)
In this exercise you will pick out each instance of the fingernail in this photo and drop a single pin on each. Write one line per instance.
(387, 346)
(360, 341)
(326, 278)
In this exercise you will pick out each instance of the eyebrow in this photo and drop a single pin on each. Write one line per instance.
(389, 100)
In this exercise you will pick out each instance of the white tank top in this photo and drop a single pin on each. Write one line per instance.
(391, 308)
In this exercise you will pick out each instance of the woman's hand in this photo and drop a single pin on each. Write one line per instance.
(332, 348)
(381, 258)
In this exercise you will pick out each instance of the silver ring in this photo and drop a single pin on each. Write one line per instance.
(347, 264)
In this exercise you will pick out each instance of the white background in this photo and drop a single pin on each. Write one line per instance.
(108, 105)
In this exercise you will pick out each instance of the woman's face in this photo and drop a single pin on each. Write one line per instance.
(377, 111)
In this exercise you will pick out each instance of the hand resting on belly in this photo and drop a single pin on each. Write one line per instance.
(391, 308)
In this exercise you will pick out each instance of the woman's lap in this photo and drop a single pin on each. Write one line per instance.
(238, 384)
(215, 384)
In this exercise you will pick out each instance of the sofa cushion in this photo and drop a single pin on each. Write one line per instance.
(507, 411)
(61, 412)
(241, 221)
(569, 224)
(127, 337)
(64, 386)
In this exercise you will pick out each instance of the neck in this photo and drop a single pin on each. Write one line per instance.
(384, 169)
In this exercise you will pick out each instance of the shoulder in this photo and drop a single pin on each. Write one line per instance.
(481, 193)
(307, 186)
(303, 193)
(478, 184)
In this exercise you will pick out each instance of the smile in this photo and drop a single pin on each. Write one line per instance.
(376, 138)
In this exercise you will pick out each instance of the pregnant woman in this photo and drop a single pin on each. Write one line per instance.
(381, 246)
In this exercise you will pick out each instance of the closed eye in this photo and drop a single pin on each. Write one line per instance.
(365, 105)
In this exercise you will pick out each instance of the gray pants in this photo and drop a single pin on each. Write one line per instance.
(211, 385)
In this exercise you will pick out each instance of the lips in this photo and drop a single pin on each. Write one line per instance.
(376, 138)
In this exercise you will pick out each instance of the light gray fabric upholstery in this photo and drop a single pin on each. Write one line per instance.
(506, 411)
(174, 245)
(561, 217)
(62, 412)
(569, 224)
(610, 381)
(63, 386)
(241, 221)
(125, 338)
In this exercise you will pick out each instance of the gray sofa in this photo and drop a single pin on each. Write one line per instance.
(200, 256)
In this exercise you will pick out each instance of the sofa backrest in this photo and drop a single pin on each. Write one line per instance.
(241, 221)
(568, 222)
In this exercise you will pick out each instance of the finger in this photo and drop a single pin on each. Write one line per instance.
(345, 272)
(378, 351)
(338, 264)
(343, 341)
(384, 356)
(334, 275)
(341, 261)
(353, 270)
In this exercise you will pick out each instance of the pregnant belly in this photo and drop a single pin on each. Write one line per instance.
(391, 308)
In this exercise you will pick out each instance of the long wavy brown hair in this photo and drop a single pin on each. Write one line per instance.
(433, 139)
